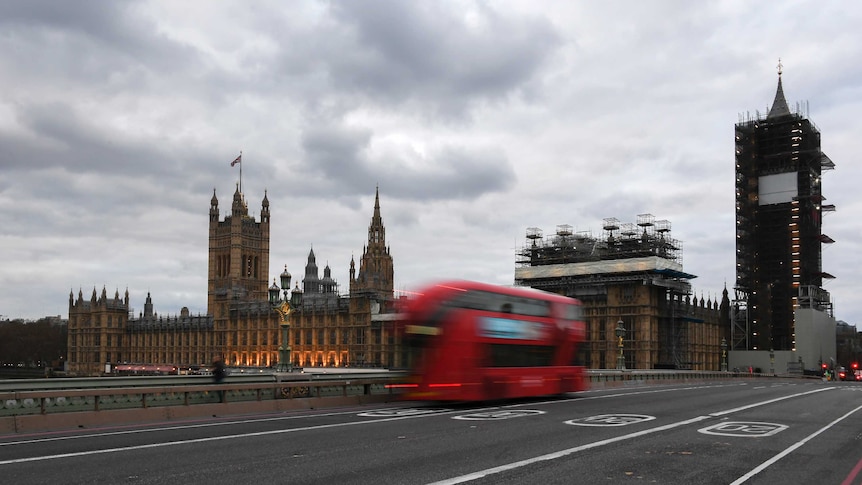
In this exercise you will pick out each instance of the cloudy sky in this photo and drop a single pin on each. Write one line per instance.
(475, 119)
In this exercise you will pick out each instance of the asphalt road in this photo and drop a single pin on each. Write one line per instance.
(747, 431)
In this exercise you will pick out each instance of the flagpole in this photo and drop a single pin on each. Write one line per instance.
(240, 172)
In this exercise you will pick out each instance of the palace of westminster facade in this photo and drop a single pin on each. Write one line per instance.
(241, 325)
(664, 327)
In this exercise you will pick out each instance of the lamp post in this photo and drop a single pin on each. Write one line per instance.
(620, 331)
(723, 355)
(282, 306)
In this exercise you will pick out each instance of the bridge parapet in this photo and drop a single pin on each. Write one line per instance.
(53, 404)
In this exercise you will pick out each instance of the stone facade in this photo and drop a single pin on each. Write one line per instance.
(633, 276)
(241, 325)
(356, 330)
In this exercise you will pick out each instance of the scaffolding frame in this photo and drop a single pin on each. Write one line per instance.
(641, 254)
(778, 243)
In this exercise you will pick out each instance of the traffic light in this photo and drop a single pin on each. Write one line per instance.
(823, 366)
(854, 365)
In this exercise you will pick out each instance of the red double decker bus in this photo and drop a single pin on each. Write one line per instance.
(469, 341)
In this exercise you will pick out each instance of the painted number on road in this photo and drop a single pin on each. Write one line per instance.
(394, 413)
(744, 430)
(610, 420)
(497, 415)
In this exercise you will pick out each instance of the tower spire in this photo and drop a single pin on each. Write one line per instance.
(376, 217)
(779, 104)
(376, 270)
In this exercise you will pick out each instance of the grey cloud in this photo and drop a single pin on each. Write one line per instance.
(458, 173)
(84, 15)
(336, 152)
(64, 137)
(338, 156)
(426, 52)
(111, 46)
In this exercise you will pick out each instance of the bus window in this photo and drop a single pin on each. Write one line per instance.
(500, 303)
(573, 312)
(514, 355)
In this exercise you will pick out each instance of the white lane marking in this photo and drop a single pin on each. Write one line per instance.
(790, 449)
(748, 406)
(559, 454)
(386, 413)
(618, 394)
(175, 428)
(212, 438)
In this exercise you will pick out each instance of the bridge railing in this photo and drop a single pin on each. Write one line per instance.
(52, 396)
(55, 404)
(52, 401)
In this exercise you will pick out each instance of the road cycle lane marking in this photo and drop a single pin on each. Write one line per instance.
(744, 429)
(499, 415)
(610, 420)
(562, 453)
(853, 473)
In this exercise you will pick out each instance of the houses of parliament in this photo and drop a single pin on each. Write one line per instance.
(241, 325)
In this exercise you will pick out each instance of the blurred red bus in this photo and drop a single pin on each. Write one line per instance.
(468, 341)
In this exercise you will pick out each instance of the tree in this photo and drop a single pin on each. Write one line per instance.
(33, 344)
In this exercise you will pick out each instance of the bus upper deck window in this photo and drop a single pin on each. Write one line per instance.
(573, 312)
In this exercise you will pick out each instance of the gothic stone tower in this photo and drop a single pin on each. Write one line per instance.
(778, 226)
(238, 256)
(376, 270)
(97, 332)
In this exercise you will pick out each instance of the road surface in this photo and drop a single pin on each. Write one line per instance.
(748, 431)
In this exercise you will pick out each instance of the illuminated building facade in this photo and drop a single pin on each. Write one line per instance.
(328, 329)
(241, 325)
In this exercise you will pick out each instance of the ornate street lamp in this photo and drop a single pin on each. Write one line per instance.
(273, 294)
(282, 306)
(723, 355)
(285, 282)
(620, 331)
